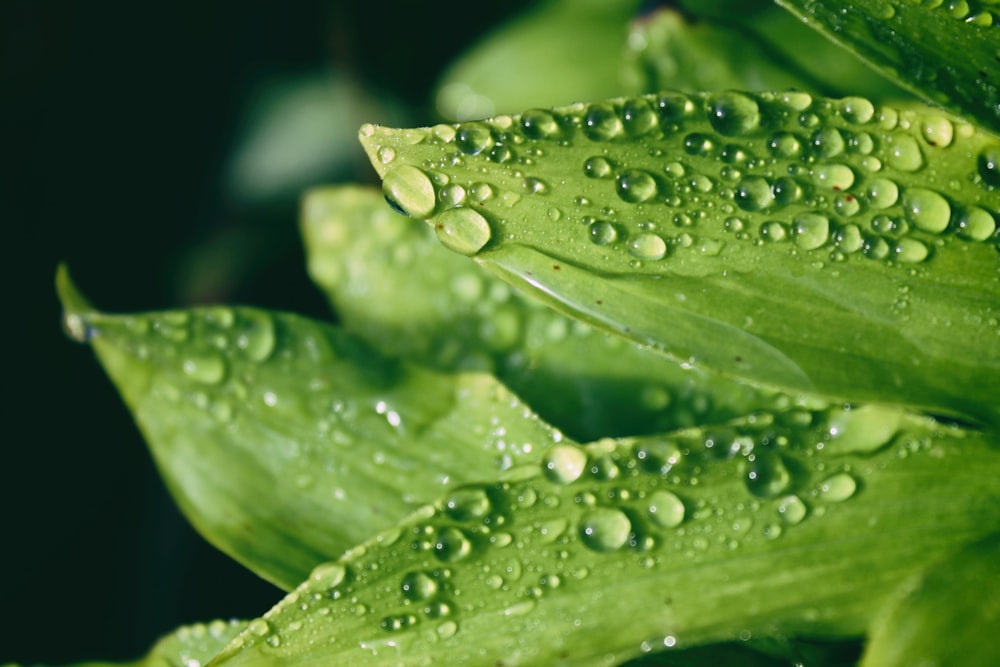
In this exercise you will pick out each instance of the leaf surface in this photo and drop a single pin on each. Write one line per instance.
(786, 240)
(796, 523)
(286, 441)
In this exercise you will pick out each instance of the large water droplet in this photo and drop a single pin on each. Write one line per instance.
(539, 124)
(754, 193)
(792, 510)
(602, 232)
(605, 529)
(451, 545)
(638, 117)
(834, 176)
(837, 488)
(910, 251)
(564, 463)
(207, 369)
(463, 230)
(988, 163)
(418, 586)
(976, 224)
(473, 138)
(733, 113)
(812, 230)
(601, 123)
(597, 167)
(635, 186)
(647, 247)
(862, 429)
(787, 191)
(828, 142)
(785, 145)
(926, 209)
(467, 504)
(767, 476)
(904, 153)
(937, 131)
(857, 110)
(666, 510)
(256, 335)
(674, 107)
(410, 191)
(881, 193)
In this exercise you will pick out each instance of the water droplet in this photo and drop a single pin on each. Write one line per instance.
(837, 488)
(881, 193)
(635, 186)
(207, 369)
(849, 238)
(863, 429)
(812, 230)
(480, 192)
(601, 123)
(410, 191)
(875, 247)
(976, 224)
(857, 110)
(989, 165)
(638, 117)
(754, 194)
(834, 176)
(786, 190)
(733, 113)
(452, 195)
(564, 463)
(539, 124)
(597, 167)
(468, 504)
(785, 145)
(418, 586)
(767, 476)
(792, 510)
(602, 232)
(473, 138)
(605, 529)
(666, 510)
(910, 251)
(256, 335)
(699, 144)
(773, 231)
(648, 247)
(397, 622)
(828, 142)
(451, 545)
(905, 154)
(674, 107)
(520, 608)
(797, 100)
(463, 230)
(926, 209)
(937, 131)
(386, 154)
(534, 186)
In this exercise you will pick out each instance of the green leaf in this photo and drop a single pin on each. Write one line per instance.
(946, 616)
(187, 646)
(393, 285)
(560, 52)
(286, 441)
(794, 523)
(786, 240)
(945, 52)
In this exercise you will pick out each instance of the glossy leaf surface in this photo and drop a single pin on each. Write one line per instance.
(286, 441)
(601, 553)
(392, 284)
(787, 240)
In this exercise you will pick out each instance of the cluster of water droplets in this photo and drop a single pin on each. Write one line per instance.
(829, 178)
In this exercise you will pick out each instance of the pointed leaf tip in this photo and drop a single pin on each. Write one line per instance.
(75, 305)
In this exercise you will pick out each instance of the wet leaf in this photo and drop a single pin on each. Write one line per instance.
(948, 615)
(916, 44)
(392, 284)
(604, 552)
(286, 441)
(786, 240)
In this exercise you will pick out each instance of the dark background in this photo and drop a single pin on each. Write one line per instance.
(116, 122)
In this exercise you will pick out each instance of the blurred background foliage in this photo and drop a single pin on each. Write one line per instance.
(161, 150)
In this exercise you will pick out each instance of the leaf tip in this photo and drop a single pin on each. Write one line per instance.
(75, 306)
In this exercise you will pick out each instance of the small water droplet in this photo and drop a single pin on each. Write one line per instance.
(926, 209)
(564, 463)
(206, 369)
(767, 476)
(468, 504)
(665, 510)
(452, 195)
(418, 586)
(451, 545)
(773, 231)
(937, 131)
(837, 488)
(605, 529)
(647, 247)
(828, 142)
(754, 194)
(881, 193)
(410, 191)
(602, 232)
(834, 176)
(480, 192)
(674, 107)
(462, 230)
(976, 224)
(635, 186)
(857, 110)
(787, 191)
(733, 114)
(988, 163)
(259, 627)
(447, 629)
(849, 238)
(812, 230)
(539, 124)
(638, 117)
(910, 251)
(256, 335)
(785, 145)
(699, 144)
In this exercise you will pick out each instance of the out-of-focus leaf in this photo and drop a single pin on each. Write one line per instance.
(286, 441)
(187, 646)
(561, 52)
(794, 523)
(947, 616)
(393, 285)
(799, 242)
(947, 52)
